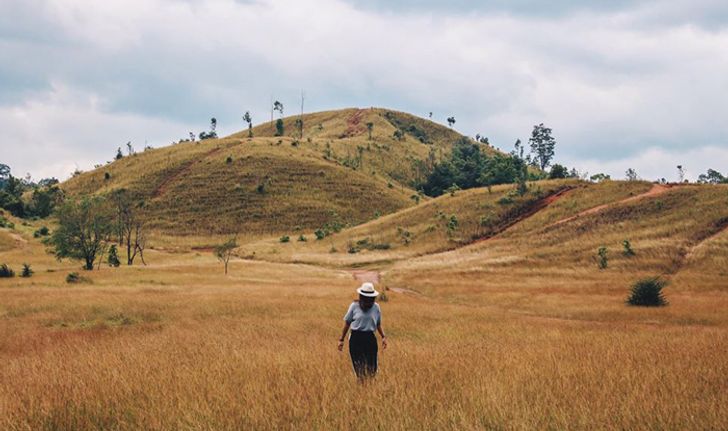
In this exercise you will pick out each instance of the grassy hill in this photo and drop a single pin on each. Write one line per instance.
(270, 184)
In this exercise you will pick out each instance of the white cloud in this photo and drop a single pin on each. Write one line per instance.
(611, 83)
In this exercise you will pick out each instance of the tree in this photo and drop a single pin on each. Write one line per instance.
(130, 149)
(44, 200)
(10, 196)
(212, 134)
(224, 251)
(370, 127)
(84, 229)
(119, 154)
(4, 174)
(631, 174)
(542, 145)
(280, 130)
(598, 178)
(278, 106)
(681, 173)
(130, 225)
(451, 121)
(558, 171)
(712, 177)
(248, 119)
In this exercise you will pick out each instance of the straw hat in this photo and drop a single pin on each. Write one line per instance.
(367, 289)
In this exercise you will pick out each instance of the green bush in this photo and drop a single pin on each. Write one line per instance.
(320, 234)
(73, 277)
(113, 257)
(627, 248)
(302, 238)
(648, 293)
(6, 272)
(602, 258)
(27, 272)
(43, 231)
(229, 160)
(285, 238)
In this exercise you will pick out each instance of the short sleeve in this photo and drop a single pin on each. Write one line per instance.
(349, 316)
(379, 315)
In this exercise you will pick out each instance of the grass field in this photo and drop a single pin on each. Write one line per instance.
(515, 331)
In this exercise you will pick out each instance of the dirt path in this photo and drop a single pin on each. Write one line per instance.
(364, 276)
(353, 124)
(186, 167)
(536, 207)
(656, 190)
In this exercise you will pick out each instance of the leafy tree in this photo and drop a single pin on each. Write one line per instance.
(627, 248)
(279, 127)
(130, 149)
(598, 178)
(542, 146)
(248, 119)
(10, 196)
(44, 200)
(278, 106)
(119, 154)
(370, 127)
(558, 171)
(712, 177)
(224, 251)
(451, 121)
(631, 174)
(84, 229)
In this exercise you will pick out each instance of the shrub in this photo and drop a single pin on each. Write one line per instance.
(285, 238)
(302, 238)
(107, 176)
(43, 231)
(74, 277)
(505, 200)
(452, 189)
(404, 235)
(6, 272)
(602, 259)
(280, 130)
(27, 272)
(229, 160)
(320, 234)
(627, 248)
(648, 293)
(113, 257)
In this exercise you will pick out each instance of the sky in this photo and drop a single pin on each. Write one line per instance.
(623, 84)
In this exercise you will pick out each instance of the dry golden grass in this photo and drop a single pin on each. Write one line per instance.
(191, 189)
(517, 332)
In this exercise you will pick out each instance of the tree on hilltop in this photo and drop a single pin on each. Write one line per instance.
(542, 146)
(451, 121)
(248, 119)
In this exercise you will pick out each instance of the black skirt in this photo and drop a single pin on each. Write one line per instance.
(363, 349)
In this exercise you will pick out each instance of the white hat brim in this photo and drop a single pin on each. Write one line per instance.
(369, 294)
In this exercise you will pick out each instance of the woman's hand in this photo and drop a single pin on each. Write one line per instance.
(341, 345)
(384, 342)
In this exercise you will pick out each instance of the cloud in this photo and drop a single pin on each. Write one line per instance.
(614, 81)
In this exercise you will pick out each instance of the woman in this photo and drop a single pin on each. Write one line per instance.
(363, 316)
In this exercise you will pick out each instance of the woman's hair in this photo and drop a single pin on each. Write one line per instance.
(366, 302)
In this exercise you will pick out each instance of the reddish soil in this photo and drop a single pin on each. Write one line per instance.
(353, 125)
(657, 189)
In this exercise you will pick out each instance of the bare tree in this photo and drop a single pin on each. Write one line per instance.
(224, 251)
(130, 225)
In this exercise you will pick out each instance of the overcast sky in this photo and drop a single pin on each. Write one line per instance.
(640, 84)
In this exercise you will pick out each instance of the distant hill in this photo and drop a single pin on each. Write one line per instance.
(273, 184)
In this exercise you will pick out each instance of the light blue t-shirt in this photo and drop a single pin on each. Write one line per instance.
(361, 320)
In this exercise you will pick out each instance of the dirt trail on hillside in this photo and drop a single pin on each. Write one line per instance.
(375, 277)
(656, 190)
(186, 168)
(353, 124)
(536, 207)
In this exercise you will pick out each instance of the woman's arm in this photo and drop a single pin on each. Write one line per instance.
(384, 337)
(343, 335)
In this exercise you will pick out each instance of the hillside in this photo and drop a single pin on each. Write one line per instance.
(268, 184)
(557, 227)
